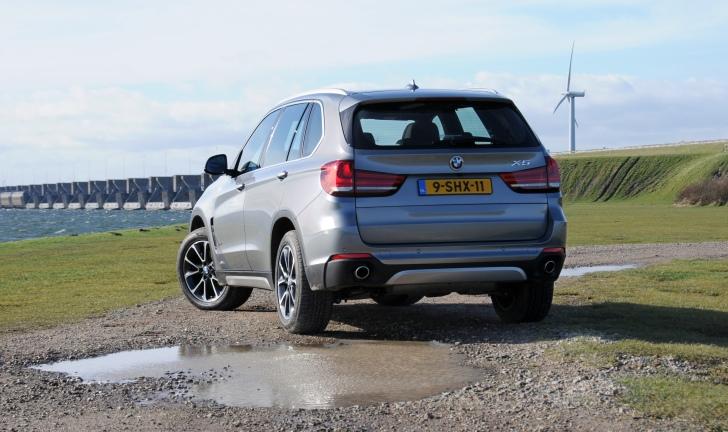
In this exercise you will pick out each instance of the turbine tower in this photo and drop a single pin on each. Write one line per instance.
(569, 96)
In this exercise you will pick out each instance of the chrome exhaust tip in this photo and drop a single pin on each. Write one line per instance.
(549, 267)
(362, 272)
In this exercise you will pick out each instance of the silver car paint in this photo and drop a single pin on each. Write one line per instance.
(327, 225)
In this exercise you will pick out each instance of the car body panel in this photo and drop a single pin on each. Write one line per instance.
(494, 230)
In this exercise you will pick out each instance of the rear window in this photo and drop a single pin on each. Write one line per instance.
(441, 124)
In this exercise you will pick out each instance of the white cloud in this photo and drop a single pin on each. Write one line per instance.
(618, 110)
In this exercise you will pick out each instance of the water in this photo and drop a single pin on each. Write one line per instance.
(307, 376)
(581, 271)
(19, 224)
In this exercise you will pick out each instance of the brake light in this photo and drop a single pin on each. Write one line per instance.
(344, 256)
(542, 179)
(339, 178)
(556, 250)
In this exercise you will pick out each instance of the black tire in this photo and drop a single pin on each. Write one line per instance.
(527, 302)
(398, 300)
(310, 311)
(223, 297)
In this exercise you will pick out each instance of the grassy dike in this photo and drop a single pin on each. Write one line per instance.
(54, 280)
(675, 311)
(642, 176)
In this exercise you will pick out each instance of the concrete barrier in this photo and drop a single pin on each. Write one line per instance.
(188, 189)
(64, 192)
(96, 195)
(179, 192)
(6, 199)
(116, 194)
(14, 199)
(162, 193)
(207, 180)
(35, 195)
(49, 197)
(138, 194)
(79, 195)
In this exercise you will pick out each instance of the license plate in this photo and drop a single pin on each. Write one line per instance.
(470, 186)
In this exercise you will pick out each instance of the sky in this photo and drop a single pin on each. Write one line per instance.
(94, 90)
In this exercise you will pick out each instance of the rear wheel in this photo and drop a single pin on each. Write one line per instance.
(300, 310)
(396, 299)
(197, 278)
(526, 302)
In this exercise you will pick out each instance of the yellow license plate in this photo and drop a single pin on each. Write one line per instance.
(470, 186)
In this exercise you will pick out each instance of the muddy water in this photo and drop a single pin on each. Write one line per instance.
(581, 271)
(342, 374)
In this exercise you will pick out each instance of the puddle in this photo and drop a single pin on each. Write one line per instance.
(581, 271)
(323, 376)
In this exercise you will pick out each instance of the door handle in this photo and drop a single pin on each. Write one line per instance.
(240, 187)
(281, 175)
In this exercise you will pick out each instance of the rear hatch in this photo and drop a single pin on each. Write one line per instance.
(448, 171)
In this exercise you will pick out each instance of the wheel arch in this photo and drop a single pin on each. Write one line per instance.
(285, 221)
(196, 222)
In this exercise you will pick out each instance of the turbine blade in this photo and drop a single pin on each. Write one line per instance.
(571, 59)
(559, 104)
(576, 122)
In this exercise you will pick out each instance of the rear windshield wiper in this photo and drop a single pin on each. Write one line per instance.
(468, 140)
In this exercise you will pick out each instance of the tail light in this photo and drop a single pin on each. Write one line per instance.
(542, 179)
(339, 178)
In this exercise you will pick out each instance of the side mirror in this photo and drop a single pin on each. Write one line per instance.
(217, 165)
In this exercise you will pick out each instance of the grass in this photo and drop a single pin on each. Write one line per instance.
(647, 176)
(634, 222)
(670, 397)
(677, 310)
(54, 280)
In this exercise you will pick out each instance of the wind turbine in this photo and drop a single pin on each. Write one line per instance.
(569, 96)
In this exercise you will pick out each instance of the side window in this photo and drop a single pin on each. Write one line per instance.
(283, 134)
(254, 147)
(314, 131)
(295, 151)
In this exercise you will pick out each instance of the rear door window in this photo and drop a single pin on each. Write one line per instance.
(283, 134)
(441, 124)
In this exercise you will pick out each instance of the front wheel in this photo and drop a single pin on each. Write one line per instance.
(196, 274)
(300, 310)
(525, 302)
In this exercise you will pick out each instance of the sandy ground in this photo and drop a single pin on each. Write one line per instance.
(521, 387)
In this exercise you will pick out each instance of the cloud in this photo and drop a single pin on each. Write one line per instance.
(617, 110)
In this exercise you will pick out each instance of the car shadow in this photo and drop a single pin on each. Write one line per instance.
(478, 323)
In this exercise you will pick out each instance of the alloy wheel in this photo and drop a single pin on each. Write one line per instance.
(199, 272)
(286, 282)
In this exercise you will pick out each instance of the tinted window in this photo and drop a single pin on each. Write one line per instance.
(441, 124)
(257, 141)
(283, 134)
(295, 151)
(314, 129)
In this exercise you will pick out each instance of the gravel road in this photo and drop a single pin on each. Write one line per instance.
(521, 387)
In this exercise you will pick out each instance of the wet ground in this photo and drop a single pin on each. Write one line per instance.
(344, 373)
(581, 271)
(518, 384)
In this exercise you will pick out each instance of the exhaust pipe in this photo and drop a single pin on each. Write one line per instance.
(362, 272)
(549, 267)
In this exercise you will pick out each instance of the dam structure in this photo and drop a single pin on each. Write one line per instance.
(178, 192)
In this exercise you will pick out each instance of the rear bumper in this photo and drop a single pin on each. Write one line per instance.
(395, 276)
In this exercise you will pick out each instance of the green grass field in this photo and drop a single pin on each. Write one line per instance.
(54, 280)
(677, 310)
(635, 222)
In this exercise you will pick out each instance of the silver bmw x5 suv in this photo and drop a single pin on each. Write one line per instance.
(390, 195)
